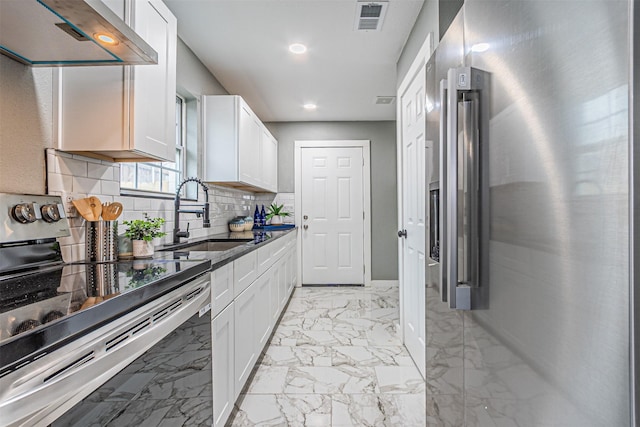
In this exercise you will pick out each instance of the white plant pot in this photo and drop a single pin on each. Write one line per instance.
(142, 249)
(276, 220)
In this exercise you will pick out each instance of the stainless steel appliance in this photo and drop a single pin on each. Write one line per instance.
(530, 111)
(58, 33)
(65, 329)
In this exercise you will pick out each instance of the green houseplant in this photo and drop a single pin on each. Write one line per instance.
(276, 214)
(142, 232)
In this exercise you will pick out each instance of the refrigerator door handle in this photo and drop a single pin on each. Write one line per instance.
(451, 192)
(443, 191)
(462, 196)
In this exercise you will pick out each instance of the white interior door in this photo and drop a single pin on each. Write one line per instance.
(414, 217)
(332, 208)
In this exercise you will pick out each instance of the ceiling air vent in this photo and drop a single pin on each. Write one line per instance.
(369, 15)
(385, 100)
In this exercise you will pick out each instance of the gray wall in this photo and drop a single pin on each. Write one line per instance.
(426, 23)
(384, 212)
(193, 78)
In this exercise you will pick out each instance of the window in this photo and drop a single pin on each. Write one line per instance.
(158, 177)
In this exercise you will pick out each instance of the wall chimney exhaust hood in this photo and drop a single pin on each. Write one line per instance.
(54, 33)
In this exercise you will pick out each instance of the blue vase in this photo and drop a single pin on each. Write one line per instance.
(256, 218)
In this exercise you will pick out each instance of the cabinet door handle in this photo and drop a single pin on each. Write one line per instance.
(402, 233)
(305, 226)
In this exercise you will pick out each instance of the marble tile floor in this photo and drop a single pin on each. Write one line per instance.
(335, 359)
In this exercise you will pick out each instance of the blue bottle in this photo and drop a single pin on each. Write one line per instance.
(256, 218)
(263, 217)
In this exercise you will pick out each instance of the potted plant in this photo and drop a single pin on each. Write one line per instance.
(276, 214)
(142, 232)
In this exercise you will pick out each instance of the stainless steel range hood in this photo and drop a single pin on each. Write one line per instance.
(69, 33)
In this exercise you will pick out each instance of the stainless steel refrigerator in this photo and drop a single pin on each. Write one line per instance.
(529, 311)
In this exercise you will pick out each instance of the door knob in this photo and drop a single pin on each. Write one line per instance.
(305, 217)
(402, 233)
(305, 226)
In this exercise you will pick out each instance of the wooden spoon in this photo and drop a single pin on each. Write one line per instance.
(111, 211)
(96, 207)
(84, 209)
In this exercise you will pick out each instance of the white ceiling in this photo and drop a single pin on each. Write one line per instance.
(244, 43)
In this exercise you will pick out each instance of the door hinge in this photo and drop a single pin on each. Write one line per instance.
(363, 161)
(362, 215)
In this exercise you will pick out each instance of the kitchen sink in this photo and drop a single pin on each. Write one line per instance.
(209, 246)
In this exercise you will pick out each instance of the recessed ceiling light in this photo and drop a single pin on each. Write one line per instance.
(297, 48)
(310, 106)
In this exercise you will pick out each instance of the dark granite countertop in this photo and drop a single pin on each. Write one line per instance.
(220, 258)
(126, 285)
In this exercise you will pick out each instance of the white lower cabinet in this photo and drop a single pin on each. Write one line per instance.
(246, 337)
(263, 322)
(242, 329)
(245, 271)
(283, 282)
(222, 344)
(221, 288)
(292, 271)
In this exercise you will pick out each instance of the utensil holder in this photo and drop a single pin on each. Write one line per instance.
(102, 240)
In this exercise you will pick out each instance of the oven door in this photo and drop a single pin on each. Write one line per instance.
(47, 388)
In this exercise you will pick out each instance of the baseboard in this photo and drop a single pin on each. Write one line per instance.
(384, 283)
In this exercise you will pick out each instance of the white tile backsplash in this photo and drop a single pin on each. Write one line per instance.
(72, 167)
(102, 179)
(102, 172)
(86, 185)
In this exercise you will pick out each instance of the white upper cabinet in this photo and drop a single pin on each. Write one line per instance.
(269, 155)
(239, 151)
(124, 113)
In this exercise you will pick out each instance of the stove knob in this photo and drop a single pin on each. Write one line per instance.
(25, 212)
(50, 213)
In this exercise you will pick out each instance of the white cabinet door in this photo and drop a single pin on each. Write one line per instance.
(245, 271)
(278, 248)
(263, 324)
(221, 288)
(291, 270)
(154, 88)
(246, 337)
(283, 295)
(123, 113)
(275, 292)
(264, 258)
(222, 344)
(249, 146)
(269, 169)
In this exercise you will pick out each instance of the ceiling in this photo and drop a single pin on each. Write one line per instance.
(244, 43)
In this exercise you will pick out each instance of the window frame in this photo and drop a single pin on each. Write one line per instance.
(180, 146)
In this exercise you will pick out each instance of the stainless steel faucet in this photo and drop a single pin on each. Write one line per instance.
(204, 211)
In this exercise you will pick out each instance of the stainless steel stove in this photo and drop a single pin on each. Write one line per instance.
(30, 262)
(66, 328)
